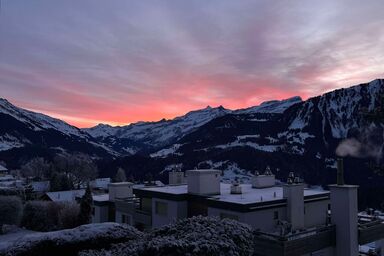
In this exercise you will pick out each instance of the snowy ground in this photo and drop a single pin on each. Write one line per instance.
(12, 236)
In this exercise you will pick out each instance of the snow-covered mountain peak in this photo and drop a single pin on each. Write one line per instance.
(161, 132)
(38, 121)
(273, 106)
(102, 130)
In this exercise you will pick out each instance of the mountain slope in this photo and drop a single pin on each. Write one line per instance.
(34, 133)
(314, 126)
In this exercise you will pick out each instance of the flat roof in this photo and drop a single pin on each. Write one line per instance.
(249, 195)
(117, 184)
(203, 171)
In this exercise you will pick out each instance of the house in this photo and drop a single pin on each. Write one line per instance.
(248, 203)
(64, 196)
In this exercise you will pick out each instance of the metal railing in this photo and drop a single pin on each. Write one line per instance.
(297, 234)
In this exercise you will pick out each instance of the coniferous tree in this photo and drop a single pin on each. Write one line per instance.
(85, 214)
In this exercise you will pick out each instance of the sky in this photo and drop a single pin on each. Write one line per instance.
(118, 61)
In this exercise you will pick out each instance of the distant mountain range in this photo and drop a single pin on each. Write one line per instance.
(291, 135)
(149, 136)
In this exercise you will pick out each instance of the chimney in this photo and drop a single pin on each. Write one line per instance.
(263, 181)
(204, 182)
(344, 214)
(235, 187)
(340, 172)
(293, 191)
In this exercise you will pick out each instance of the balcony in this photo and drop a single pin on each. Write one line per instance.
(370, 229)
(294, 244)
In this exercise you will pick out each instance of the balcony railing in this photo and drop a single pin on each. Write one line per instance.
(371, 229)
(294, 244)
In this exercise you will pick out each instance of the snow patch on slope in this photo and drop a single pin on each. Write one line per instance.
(8, 142)
(266, 148)
(274, 106)
(167, 151)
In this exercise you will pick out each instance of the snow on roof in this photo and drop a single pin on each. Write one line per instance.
(7, 178)
(41, 186)
(176, 190)
(101, 198)
(249, 195)
(3, 169)
(100, 183)
(65, 196)
(202, 171)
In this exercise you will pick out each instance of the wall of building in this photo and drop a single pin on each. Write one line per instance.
(175, 210)
(261, 219)
(124, 218)
(315, 213)
(120, 190)
(100, 214)
(203, 182)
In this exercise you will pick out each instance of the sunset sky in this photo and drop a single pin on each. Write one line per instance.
(122, 61)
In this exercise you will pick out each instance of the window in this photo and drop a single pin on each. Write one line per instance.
(161, 208)
(229, 216)
(275, 215)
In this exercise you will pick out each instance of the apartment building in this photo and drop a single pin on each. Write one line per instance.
(288, 219)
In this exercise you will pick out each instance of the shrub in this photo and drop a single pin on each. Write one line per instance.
(68, 214)
(10, 210)
(10, 191)
(68, 242)
(196, 236)
(40, 215)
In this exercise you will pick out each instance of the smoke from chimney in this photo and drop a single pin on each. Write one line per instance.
(369, 144)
